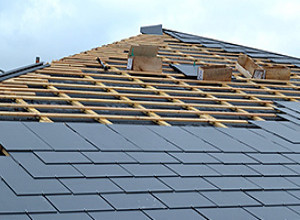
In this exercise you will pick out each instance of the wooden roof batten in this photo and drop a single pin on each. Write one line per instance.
(117, 95)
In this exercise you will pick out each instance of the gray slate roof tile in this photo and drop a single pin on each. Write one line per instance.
(62, 157)
(233, 158)
(90, 185)
(247, 136)
(144, 170)
(273, 170)
(23, 184)
(119, 215)
(280, 145)
(271, 158)
(197, 158)
(294, 180)
(174, 214)
(226, 213)
(144, 138)
(274, 183)
(232, 183)
(279, 129)
(148, 184)
(71, 203)
(103, 137)
(183, 139)
(187, 183)
(295, 208)
(16, 136)
(273, 213)
(133, 201)
(152, 157)
(218, 139)
(59, 136)
(233, 170)
(11, 203)
(184, 200)
(14, 217)
(230, 198)
(61, 216)
(268, 198)
(192, 170)
(40, 170)
(101, 170)
(293, 157)
(109, 157)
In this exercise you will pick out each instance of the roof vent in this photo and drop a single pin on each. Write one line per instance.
(153, 29)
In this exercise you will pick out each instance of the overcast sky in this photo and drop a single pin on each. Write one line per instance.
(53, 29)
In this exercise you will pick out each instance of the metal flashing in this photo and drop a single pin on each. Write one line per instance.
(152, 29)
(22, 70)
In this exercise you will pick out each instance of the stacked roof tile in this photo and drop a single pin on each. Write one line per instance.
(82, 142)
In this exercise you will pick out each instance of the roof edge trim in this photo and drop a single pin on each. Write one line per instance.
(22, 70)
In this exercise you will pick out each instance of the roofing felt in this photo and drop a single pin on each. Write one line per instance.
(104, 158)
(199, 183)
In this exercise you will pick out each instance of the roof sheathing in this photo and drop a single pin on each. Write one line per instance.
(75, 88)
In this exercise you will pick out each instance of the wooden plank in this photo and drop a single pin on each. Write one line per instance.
(278, 72)
(77, 103)
(214, 73)
(18, 91)
(169, 111)
(249, 65)
(243, 71)
(147, 64)
(20, 81)
(136, 105)
(143, 50)
(31, 109)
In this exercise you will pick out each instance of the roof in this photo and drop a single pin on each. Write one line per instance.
(231, 152)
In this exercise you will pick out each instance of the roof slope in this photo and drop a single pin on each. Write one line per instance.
(122, 166)
(76, 88)
(94, 171)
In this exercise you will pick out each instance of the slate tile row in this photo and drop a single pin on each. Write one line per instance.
(94, 137)
(232, 165)
(166, 158)
(100, 157)
(249, 213)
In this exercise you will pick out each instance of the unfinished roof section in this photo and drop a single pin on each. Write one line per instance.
(79, 89)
